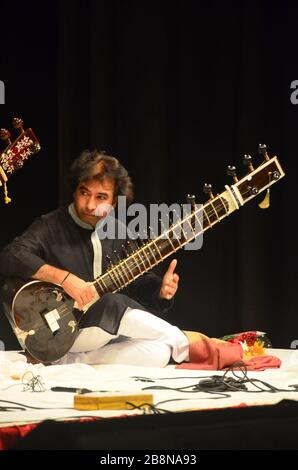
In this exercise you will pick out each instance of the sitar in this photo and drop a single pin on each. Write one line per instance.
(44, 317)
(16, 152)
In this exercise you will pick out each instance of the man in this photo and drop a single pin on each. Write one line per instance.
(63, 248)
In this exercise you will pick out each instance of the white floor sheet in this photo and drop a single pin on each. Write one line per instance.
(127, 379)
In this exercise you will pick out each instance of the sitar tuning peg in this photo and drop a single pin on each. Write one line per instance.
(191, 199)
(124, 249)
(253, 190)
(247, 160)
(140, 241)
(207, 189)
(5, 135)
(231, 171)
(262, 150)
(117, 256)
(18, 123)
(108, 258)
(129, 246)
(275, 175)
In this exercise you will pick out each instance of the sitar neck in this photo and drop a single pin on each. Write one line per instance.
(156, 250)
(189, 227)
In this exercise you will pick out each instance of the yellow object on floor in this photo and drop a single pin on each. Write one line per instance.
(112, 401)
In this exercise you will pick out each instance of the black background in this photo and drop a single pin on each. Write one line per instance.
(177, 91)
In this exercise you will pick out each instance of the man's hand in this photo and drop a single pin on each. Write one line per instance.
(82, 292)
(79, 290)
(170, 282)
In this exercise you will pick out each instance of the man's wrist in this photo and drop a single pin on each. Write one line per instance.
(64, 279)
(49, 273)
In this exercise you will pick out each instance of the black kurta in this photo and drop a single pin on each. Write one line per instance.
(57, 240)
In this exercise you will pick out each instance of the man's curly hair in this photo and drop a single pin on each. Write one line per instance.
(97, 165)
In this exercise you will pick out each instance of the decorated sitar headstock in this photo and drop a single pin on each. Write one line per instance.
(16, 152)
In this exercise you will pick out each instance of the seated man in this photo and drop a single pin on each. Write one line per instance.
(63, 248)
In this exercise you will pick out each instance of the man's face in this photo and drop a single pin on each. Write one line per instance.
(91, 196)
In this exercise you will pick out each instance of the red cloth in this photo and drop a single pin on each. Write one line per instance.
(212, 354)
(10, 434)
(263, 362)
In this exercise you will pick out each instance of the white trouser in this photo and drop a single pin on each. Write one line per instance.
(142, 339)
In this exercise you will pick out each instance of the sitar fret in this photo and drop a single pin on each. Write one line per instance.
(206, 219)
(142, 260)
(157, 248)
(152, 253)
(177, 237)
(126, 265)
(197, 219)
(121, 268)
(189, 223)
(119, 272)
(98, 286)
(102, 280)
(173, 246)
(143, 249)
(215, 210)
(110, 273)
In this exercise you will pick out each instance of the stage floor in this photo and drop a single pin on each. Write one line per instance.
(129, 380)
